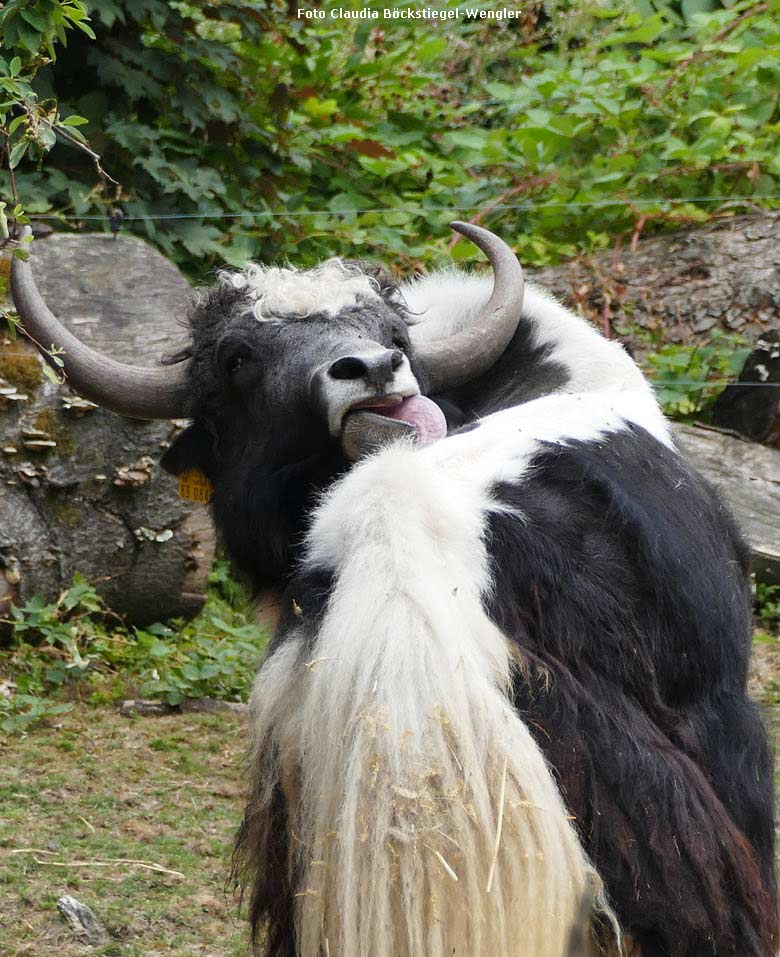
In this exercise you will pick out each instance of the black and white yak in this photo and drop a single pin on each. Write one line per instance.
(516, 629)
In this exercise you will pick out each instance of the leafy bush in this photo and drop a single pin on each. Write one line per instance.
(688, 379)
(75, 646)
(561, 128)
(767, 605)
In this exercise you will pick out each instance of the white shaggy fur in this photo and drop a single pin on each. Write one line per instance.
(446, 302)
(289, 292)
(393, 734)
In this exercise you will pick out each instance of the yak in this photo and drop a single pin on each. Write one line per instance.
(512, 657)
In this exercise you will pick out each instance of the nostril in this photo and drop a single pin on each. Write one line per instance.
(396, 359)
(348, 367)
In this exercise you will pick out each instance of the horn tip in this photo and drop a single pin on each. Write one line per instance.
(470, 230)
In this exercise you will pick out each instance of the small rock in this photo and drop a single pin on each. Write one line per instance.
(145, 708)
(213, 706)
(735, 320)
(704, 323)
(82, 921)
(7, 689)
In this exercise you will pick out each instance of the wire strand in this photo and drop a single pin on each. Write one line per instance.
(711, 383)
(301, 214)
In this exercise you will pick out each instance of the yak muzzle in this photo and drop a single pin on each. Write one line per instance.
(370, 397)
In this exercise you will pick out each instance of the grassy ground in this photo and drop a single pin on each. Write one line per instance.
(96, 786)
(91, 785)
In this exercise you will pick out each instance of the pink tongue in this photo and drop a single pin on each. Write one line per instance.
(426, 417)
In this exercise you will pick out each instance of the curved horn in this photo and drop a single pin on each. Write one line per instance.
(129, 390)
(467, 354)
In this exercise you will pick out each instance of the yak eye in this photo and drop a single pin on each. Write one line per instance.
(233, 357)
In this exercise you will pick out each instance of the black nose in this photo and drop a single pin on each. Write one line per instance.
(377, 370)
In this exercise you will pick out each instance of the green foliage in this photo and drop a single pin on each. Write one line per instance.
(561, 128)
(30, 125)
(76, 647)
(767, 605)
(20, 711)
(688, 379)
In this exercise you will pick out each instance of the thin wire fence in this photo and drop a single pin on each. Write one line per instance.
(711, 383)
(416, 208)
(527, 206)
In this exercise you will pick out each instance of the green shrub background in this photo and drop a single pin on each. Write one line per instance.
(564, 129)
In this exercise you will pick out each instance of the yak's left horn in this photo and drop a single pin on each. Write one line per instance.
(467, 354)
(129, 390)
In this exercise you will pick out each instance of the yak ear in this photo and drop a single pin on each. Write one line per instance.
(191, 449)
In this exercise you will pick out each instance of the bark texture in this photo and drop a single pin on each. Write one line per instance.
(680, 287)
(80, 488)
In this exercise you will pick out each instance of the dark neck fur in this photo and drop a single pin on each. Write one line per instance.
(262, 513)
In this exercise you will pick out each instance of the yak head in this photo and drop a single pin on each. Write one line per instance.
(285, 365)
(290, 375)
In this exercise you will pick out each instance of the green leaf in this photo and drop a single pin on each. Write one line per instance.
(691, 7)
(29, 37)
(74, 120)
(320, 108)
(652, 28)
(35, 19)
(85, 28)
(50, 374)
(471, 139)
(17, 153)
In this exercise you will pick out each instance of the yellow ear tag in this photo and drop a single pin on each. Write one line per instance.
(195, 487)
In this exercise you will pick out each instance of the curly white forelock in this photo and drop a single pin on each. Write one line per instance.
(279, 292)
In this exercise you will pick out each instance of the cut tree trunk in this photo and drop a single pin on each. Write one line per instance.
(80, 488)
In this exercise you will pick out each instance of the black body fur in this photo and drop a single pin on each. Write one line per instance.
(626, 593)
(625, 596)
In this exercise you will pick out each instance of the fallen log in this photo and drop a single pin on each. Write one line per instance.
(682, 286)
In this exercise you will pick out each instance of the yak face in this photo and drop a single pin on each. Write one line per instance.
(280, 359)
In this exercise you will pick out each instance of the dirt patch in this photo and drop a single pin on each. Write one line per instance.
(764, 680)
